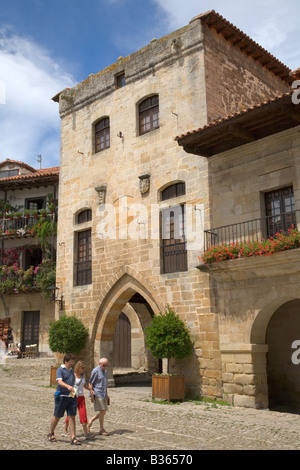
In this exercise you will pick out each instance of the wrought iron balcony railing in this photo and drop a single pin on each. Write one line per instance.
(15, 282)
(16, 223)
(252, 230)
(18, 226)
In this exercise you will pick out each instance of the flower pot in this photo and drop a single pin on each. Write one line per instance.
(169, 387)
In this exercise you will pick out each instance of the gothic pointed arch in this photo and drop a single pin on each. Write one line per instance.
(127, 286)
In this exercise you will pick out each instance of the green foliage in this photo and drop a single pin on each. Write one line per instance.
(67, 335)
(45, 228)
(7, 286)
(168, 336)
(45, 276)
(14, 280)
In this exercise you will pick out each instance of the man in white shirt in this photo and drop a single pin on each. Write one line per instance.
(98, 389)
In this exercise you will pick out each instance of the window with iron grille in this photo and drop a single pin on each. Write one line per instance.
(102, 135)
(84, 258)
(173, 241)
(149, 115)
(280, 210)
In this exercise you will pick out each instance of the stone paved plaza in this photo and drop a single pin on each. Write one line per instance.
(134, 422)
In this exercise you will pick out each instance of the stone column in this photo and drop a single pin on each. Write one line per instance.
(244, 374)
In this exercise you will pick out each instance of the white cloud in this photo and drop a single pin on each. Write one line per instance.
(272, 23)
(29, 78)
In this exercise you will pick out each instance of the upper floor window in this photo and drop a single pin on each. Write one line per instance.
(120, 80)
(172, 232)
(83, 266)
(33, 257)
(102, 135)
(149, 114)
(8, 173)
(175, 190)
(280, 210)
(84, 216)
(35, 203)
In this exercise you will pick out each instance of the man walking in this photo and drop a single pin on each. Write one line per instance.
(100, 398)
(65, 398)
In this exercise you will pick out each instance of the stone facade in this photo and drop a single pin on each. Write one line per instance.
(258, 298)
(122, 185)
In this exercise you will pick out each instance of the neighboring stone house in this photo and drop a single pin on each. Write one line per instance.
(24, 195)
(133, 204)
(254, 193)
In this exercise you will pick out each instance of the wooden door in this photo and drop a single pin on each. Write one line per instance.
(122, 343)
(31, 329)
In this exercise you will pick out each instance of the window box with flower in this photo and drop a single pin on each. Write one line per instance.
(282, 241)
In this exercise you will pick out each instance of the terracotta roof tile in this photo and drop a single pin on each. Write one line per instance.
(295, 73)
(234, 115)
(8, 161)
(53, 171)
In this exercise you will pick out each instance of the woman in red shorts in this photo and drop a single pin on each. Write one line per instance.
(80, 385)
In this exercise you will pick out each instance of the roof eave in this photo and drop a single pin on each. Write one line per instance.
(267, 119)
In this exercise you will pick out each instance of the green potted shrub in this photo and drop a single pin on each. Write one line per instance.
(66, 335)
(27, 213)
(35, 213)
(168, 337)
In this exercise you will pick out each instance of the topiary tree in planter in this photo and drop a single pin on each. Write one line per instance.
(168, 337)
(67, 335)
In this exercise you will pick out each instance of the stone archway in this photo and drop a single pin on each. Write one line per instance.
(130, 296)
(283, 339)
(275, 328)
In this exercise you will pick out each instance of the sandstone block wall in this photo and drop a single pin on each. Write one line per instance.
(257, 298)
(177, 69)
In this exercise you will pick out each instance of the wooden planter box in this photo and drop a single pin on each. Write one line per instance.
(169, 387)
(53, 375)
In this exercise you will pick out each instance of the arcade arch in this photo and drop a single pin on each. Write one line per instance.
(277, 326)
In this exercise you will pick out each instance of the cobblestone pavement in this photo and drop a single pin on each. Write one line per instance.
(134, 422)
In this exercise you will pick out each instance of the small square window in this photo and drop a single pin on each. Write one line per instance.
(120, 80)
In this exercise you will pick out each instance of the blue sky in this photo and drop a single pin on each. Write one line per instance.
(47, 46)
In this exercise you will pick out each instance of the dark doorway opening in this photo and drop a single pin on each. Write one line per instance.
(31, 329)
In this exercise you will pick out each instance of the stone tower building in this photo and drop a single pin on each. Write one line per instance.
(133, 204)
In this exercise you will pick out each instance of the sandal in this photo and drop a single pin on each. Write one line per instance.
(51, 437)
(75, 442)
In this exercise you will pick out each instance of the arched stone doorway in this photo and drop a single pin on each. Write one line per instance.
(274, 330)
(283, 368)
(130, 297)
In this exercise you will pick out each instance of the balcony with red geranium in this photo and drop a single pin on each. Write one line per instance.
(271, 242)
